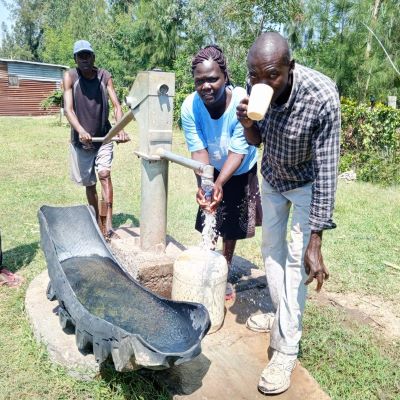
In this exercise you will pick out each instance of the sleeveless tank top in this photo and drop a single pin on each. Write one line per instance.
(90, 102)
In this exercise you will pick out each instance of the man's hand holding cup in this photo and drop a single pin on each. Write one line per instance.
(259, 101)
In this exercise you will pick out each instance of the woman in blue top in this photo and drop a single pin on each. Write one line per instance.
(215, 136)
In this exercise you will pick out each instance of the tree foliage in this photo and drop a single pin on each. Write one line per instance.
(333, 36)
(336, 40)
(24, 40)
(370, 142)
(355, 42)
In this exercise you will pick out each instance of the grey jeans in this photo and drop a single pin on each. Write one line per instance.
(284, 261)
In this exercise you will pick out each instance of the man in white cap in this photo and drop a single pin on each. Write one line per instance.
(86, 93)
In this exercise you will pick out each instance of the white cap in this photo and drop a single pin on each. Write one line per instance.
(82, 45)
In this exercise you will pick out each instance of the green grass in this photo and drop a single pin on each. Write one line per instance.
(348, 362)
(368, 233)
(345, 360)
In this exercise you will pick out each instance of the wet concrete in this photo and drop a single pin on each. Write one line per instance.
(232, 360)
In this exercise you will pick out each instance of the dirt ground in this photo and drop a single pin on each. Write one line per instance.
(383, 316)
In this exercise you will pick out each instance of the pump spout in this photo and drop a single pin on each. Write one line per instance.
(208, 171)
(200, 168)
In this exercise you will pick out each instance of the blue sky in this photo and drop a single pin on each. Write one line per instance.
(4, 17)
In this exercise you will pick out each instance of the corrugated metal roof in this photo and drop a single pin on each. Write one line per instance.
(35, 71)
(33, 62)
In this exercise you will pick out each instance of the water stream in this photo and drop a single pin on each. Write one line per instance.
(209, 234)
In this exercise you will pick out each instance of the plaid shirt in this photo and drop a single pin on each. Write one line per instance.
(301, 142)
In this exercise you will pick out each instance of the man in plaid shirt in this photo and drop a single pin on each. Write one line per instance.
(300, 134)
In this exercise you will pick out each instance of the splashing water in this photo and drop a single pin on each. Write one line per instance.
(208, 233)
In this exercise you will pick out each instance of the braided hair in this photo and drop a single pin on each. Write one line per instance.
(211, 53)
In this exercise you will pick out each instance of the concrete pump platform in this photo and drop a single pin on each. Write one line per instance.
(228, 367)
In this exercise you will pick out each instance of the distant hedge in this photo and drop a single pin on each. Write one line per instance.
(370, 142)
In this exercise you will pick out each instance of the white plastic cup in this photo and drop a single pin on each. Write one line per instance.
(259, 100)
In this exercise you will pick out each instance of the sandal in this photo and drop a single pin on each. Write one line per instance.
(229, 292)
(10, 279)
(111, 235)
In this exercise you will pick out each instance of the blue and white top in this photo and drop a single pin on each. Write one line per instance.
(218, 136)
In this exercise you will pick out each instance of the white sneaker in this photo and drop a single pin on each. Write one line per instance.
(276, 376)
(260, 322)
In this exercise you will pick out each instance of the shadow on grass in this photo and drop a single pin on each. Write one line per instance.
(122, 218)
(133, 385)
(20, 256)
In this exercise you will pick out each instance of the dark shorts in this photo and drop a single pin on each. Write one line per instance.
(240, 210)
(85, 163)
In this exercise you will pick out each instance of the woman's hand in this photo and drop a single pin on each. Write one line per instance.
(207, 204)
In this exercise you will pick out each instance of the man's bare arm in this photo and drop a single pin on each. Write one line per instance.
(118, 114)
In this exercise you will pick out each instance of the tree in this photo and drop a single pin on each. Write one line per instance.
(332, 36)
(335, 40)
(66, 22)
(158, 28)
(25, 36)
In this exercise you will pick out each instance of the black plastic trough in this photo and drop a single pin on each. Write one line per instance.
(111, 312)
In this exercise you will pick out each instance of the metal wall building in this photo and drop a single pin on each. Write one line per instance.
(25, 84)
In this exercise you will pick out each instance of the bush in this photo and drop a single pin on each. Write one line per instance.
(370, 142)
(374, 166)
(54, 99)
